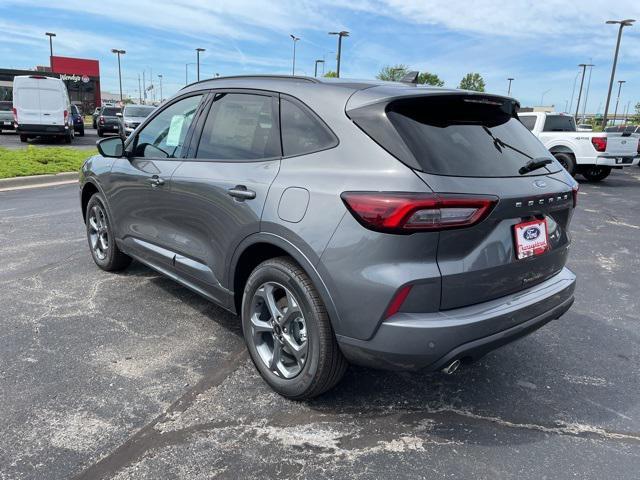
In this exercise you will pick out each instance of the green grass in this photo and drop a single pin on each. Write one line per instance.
(39, 161)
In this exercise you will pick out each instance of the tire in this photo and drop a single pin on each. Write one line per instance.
(82, 132)
(97, 223)
(100, 134)
(308, 327)
(567, 161)
(24, 138)
(595, 173)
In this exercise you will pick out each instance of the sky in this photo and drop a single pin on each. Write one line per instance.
(538, 43)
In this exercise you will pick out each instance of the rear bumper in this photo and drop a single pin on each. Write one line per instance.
(7, 125)
(617, 161)
(432, 340)
(42, 130)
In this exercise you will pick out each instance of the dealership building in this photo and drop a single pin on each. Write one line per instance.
(81, 76)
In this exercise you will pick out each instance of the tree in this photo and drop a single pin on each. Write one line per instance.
(636, 117)
(393, 73)
(472, 81)
(331, 74)
(427, 78)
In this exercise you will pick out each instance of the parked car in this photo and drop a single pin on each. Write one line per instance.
(78, 120)
(385, 225)
(110, 121)
(584, 127)
(6, 116)
(94, 117)
(591, 154)
(134, 115)
(42, 108)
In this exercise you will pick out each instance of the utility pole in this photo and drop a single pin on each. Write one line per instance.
(584, 69)
(139, 88)
(509, 90)
(50, 35)
(144, 88)
(620, 82)
(118, 53)
(160, 77)
(295, 40)
(341, 34)
(315, 73)
(198, 50)
(623, 23)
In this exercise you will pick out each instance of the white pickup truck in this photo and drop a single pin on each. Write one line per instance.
(591, 154)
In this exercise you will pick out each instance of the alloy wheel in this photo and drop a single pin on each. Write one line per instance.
(279, 330)
(98, 232)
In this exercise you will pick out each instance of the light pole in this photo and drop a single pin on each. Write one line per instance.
(160, 77)
(573, 90)
(586, 95)
(119, 52)
(295, 40)
(542, 98)
(341, 34)
(623, 23)
(509, 90)
(50, 35)
(198, 50)
(584, 69)
(626, 112)
(315, 72)
(615, 112)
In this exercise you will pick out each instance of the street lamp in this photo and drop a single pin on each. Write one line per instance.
(160, 77)
(340, 35)
(50, 35)
(586, 95)
(584, 69)
(620, 82)
(509, 90)
(119, 52)
(623, 23)
(198, 50)
(542, 98)
(315, 73)
(295, 40)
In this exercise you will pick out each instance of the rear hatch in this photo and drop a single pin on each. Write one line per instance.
(470, 144)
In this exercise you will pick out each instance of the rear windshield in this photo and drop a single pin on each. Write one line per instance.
(459, 135)
(137, 111)
(5, 106)
(111, 111)
(559, 123)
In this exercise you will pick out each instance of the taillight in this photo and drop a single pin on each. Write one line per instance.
(398, 299)
(599, 143)
(101, 121)
(638, 147)
(66, 116)
(15, 114)
(574, 192)
(410, 212)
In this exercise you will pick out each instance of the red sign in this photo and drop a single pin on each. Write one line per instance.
(75, 66)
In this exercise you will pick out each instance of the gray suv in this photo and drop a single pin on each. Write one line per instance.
(386, 225)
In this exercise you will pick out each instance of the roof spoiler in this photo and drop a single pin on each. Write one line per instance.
(410, 77)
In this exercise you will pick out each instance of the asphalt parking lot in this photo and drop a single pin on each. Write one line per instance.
(132, 376)
(10, 139)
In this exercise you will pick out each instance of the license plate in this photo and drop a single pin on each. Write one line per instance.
(531, 238)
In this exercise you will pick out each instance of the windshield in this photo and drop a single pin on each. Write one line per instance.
(111, 111)
(464, 136)
(137, 111)
(5, 106)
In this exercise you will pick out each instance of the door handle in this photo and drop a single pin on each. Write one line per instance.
(156, 181)
(241, 193)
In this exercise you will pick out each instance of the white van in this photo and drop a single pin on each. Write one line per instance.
(41, 107)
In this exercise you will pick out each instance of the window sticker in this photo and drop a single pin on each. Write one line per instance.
(175, 129)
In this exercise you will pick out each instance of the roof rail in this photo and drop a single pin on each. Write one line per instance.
(272, 77)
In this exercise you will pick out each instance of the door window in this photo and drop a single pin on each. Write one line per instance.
(164, 135)
(240, 126)
(529, 121)
(302, 131)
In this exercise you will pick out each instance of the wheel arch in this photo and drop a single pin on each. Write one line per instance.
(259, 247)
(562, 149)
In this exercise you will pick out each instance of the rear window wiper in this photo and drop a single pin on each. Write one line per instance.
(534, 164)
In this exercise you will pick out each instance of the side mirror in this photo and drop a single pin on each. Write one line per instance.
(112, 147)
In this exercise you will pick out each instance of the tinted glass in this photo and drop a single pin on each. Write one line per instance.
(5, 106)
(302, 131)
(559, 123)
(240, 127)
(529, 121)
(111, 111)
(164, 135)
(137, 111)
(75, 110)
(454, 135)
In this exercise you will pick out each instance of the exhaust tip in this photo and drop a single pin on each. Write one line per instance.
(452, 367)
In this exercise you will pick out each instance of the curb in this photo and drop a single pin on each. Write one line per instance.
(37, 180)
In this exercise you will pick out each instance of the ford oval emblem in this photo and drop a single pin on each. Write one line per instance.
(540, 183)
(531, 233)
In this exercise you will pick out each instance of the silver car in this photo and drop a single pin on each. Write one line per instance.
(386, 225)
(134, 115)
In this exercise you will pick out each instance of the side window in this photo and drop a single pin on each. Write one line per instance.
(302, 131)
(240, 126)
(528, 121)
(163, 137)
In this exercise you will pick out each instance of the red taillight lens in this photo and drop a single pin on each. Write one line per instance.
(66, 116)
(638, 147)
(599, 143)
(101, 120)
(411, 212)
(399, 298)
(574, 192)
(15, 114)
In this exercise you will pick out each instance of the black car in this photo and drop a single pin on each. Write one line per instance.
(110, 121)
(78, 120)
